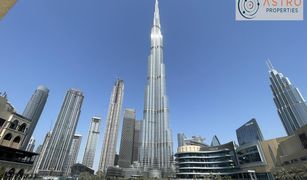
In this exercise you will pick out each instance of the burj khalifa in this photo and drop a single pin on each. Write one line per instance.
(156, 149)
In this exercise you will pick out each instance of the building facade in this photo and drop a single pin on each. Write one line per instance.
(91, 144)
(129, 146)
(14, 163)
(126, 144)
(31, 145)
(111, 130)
(73, 154)
(13, 126)
(136, 141)
(57, 150)
(156, 151)
(291, 105)
(42, 154)
(194, 161)
(34, 110)
(259, 156)
(249, 132)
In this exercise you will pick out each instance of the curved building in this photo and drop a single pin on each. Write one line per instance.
(207, 162)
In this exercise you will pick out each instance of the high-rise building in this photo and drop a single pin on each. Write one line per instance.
(215, 141)
(62, 135)
(42, 153)
(31, 145)
(156, 150)
(126, 144)
(291, 105)
(249, 133)
(90, 149)
(111, 130)
(136, 141)
(73, 153)
(34, 110)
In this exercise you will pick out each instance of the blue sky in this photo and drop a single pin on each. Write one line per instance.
(217, 78)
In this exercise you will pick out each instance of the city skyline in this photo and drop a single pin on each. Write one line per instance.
(213, 82)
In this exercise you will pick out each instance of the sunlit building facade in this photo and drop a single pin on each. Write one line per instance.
(112, 125)
(291, 105)
(91, 144)
(156, 151)
(56, 154)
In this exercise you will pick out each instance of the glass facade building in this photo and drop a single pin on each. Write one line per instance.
(156, 151)
(200, 162)
(33, 111)
(291, 105)
(111, 130)
(73, 154)
(90, 149)
(249, 132)
(58, 147)
(127, 141)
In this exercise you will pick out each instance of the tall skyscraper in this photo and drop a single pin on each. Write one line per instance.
(111, 130)
(249, 132)
(291, 105)
(31, 145)
(42, 152)
(73, 153)
(90, 149)
(33, 111)
(136, 140)
(156, 150)
(126, 144)
(62, 135)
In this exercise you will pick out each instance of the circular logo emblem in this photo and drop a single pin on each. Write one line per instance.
(248, 8)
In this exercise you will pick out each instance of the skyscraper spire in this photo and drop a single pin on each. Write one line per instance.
(268, 62)
(156, 21)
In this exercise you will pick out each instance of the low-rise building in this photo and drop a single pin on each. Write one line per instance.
(14, 162)
(292, 150)
(208, 162)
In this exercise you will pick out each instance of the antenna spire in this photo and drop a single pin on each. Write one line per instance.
(269, 63)
(156, 14)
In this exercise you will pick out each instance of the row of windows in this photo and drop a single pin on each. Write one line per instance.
(204, 160)
(14, 125)
(202, 155)
(224, 165)
(9, 136)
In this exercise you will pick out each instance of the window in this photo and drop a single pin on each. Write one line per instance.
(14, 124)
(17, 139)
(303, 139)
(2, 121)
(8, 137)
(22, 128)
